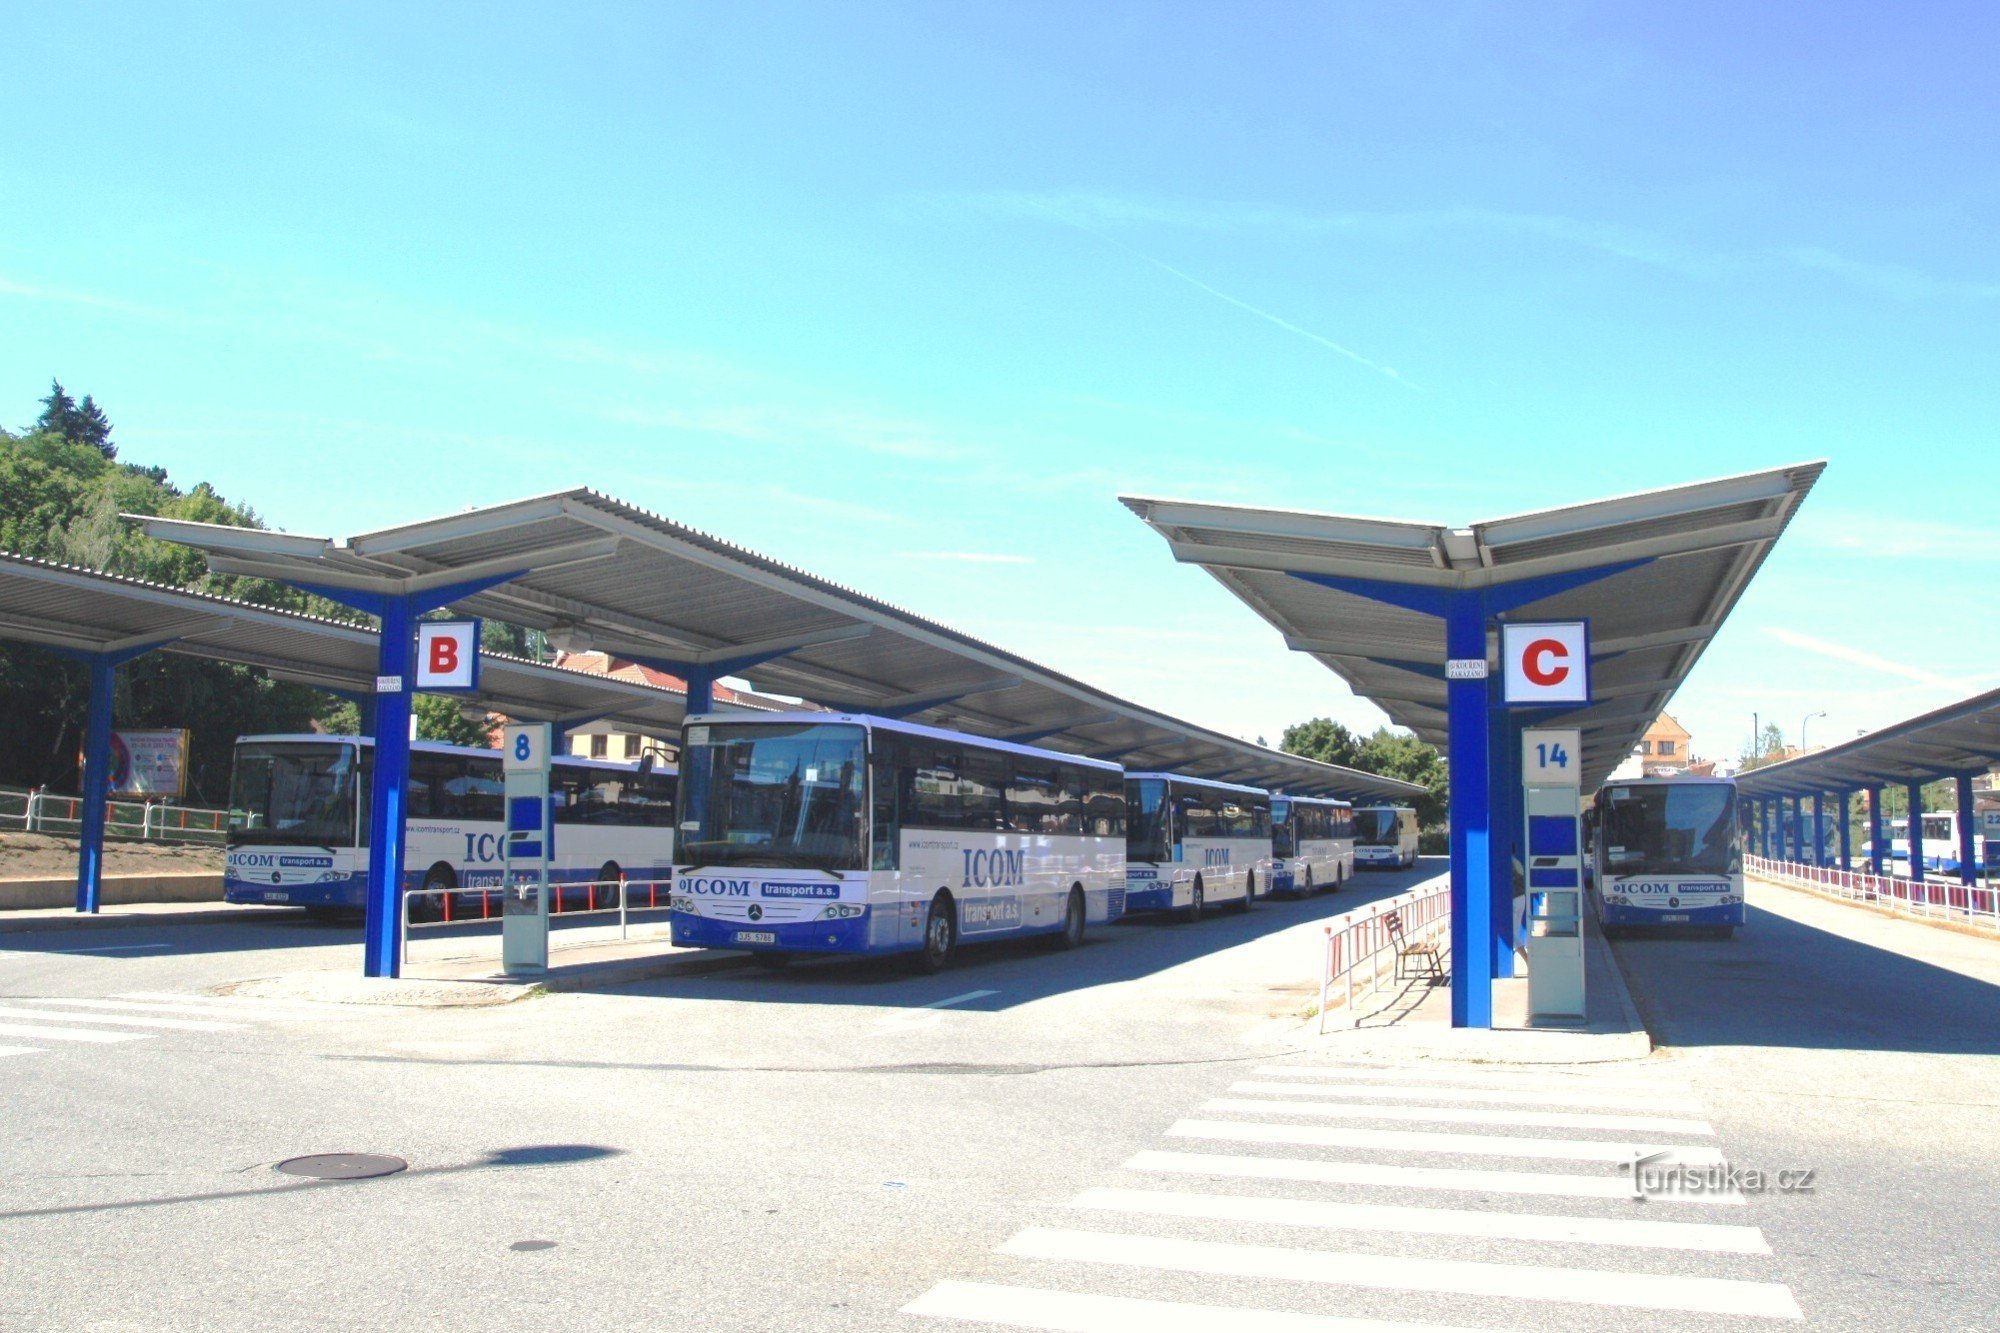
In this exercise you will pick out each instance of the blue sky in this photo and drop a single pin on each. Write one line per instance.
(908, 294)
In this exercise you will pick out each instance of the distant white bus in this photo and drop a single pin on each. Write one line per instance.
(1191, 843)
(1667, 852)
(1385, 836)
(833, 833)
(299, 835)
(1941, 850)
(1312, 844)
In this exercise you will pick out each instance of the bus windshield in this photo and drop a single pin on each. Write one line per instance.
(1670, 829)
(789, 795)
(1146, 814)
(1283, 841)
(299, 793)
(1376, 828)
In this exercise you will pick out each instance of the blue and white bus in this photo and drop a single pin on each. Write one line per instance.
(1191, 843)
(834, 833)
(1940, 844)
(299, 826)
(1668, 852)
(1312, 843)
(1385, 837)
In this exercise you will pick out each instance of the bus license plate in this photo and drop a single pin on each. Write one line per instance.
(1675, 916)
(270, 897)
(755, 937)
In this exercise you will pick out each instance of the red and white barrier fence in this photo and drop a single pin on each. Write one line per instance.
(601, 897)
(1363, 946)
(1948, 900)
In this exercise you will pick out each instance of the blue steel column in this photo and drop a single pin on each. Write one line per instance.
(1784, 818)
(1471, 821)
(1846, 838)
(397, 657)
(1819, 829)
(96, 783)
(1508, 814)
(1765, 848)
(1799, 828)
(1968, 869)
(1916, 839)
(1877, 854)
(700, 693)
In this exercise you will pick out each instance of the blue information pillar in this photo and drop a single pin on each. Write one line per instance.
(1968, 864)
(1818, 856)
(1916, 839)
(1877, 854)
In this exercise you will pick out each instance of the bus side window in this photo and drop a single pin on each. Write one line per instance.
(890, 770)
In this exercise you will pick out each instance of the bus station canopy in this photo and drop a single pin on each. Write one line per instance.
(1654, 574)
(83, 611)
(592, 572)
(1953, 741)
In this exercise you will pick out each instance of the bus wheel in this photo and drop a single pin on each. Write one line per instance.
(940, 935)
(606, 893)
(431, 907)
(1073, 920)
(1249, 891)
(1195, 904)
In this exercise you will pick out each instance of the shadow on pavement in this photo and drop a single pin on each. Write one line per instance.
(1781, 982)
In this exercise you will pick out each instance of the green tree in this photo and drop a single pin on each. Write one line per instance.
(1766, 744)
(439, 719)
(78, 423)
(1323, 739)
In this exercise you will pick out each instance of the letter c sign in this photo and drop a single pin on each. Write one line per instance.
(1546, 664)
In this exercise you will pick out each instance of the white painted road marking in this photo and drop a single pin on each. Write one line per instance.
(1076, 1312)
(1537, 1282)
(1546, 1183)
(111, 948)
(1595, 1101)
(928, 1015)
(126, 1020)
(66, 1034)
(290, 1009)
(1487, 1145)
(1464, 1115)
(247, 1009)
(19, 1050)
(1430, 1221)
(1477, 1076)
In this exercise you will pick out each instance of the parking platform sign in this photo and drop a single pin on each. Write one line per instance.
(1545, 664)
(448, 655)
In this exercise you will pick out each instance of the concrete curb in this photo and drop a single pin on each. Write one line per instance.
(475, 989)
(71, 920)
(1634, 1023)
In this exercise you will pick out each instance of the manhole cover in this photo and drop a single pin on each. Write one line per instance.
(343, 1166)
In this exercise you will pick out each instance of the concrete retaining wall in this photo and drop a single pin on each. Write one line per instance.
(201, 886)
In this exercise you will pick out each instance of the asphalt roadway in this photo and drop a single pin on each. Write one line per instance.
(1139, 1134)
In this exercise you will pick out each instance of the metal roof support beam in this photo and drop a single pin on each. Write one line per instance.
(909, 705)
(103, 667)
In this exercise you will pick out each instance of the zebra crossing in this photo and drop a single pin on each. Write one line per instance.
(53, 1023)
(1381, 1198)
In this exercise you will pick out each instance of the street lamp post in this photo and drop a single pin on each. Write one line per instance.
(1802, 727)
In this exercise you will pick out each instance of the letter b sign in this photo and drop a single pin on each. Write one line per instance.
(448, 655)
(1546, 664)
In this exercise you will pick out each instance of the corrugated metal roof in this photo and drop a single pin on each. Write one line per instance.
(1649, 624)
(62, 606)
(587, 567)
(1959, 738)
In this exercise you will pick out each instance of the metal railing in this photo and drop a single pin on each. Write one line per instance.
(601, 897)
(1945, 900)
(40, 811)
(1362, 946)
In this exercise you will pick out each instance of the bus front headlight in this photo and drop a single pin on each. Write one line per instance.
(680, 904)
(842, 911)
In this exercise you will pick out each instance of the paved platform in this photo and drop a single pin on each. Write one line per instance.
(1414, 1020)
(133, 914)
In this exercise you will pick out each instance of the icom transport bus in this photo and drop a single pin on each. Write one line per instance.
(299, 825)
(1385, 836)
(825, 833)
(1191, 843)
(1668, 852)
(1312, 844)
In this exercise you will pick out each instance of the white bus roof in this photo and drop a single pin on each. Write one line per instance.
(892, 724)
(441, 747)
(1310, 800)
(1187, 781)
(1411, 808)
(1681, 780)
